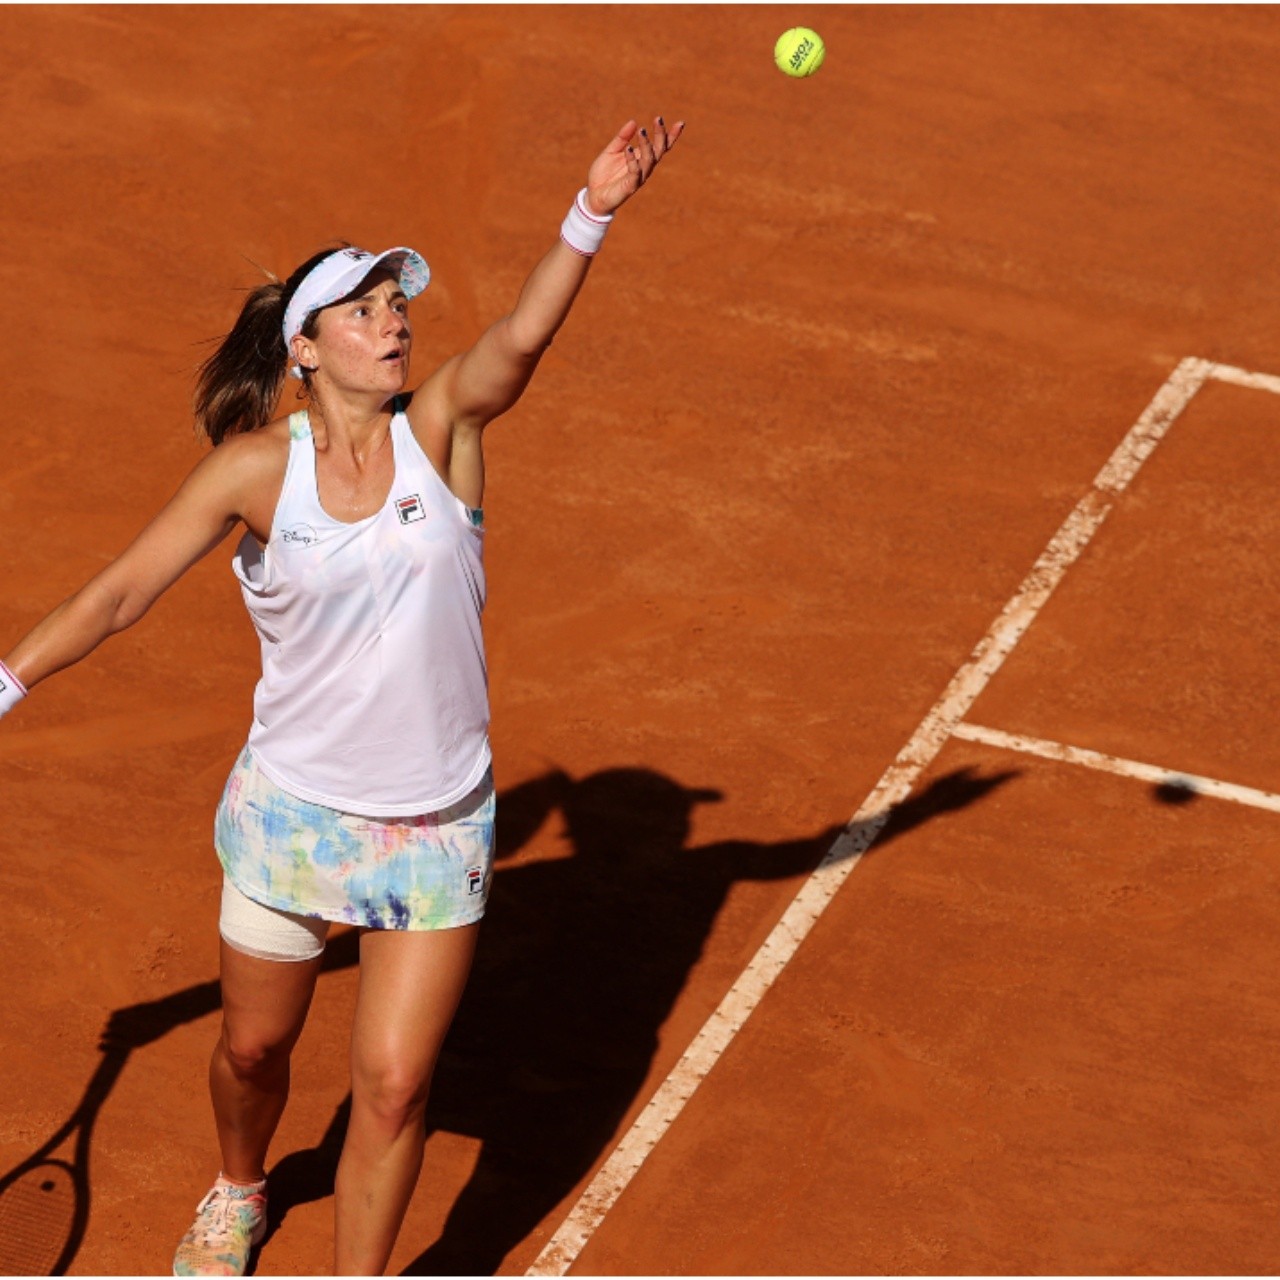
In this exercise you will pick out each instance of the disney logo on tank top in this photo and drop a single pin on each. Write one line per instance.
(374, 691)
(301, 534)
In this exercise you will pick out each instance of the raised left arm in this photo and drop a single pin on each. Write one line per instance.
(472, 389)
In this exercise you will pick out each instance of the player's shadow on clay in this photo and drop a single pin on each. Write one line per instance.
(580, 962)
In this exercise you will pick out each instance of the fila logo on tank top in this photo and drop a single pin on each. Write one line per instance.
(410, 509)
(374, 694)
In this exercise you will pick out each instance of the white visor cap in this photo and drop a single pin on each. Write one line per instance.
(338, 275)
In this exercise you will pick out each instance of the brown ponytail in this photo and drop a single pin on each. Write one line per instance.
(237, 387)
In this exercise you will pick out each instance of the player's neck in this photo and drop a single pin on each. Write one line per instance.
(354, 425)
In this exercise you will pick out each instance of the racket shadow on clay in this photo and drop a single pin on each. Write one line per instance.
(45, 1200)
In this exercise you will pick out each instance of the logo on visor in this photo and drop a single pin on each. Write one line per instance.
(410, 509)
(356, 255)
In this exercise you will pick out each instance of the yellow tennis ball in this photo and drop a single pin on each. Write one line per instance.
(799, 52)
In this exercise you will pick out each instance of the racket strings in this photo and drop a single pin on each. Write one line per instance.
(37, 1214)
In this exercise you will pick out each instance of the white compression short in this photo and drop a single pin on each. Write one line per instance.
(267, 933)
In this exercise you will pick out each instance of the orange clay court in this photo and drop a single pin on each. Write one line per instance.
(900, 497)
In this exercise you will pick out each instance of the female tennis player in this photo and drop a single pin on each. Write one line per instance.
(364, 793)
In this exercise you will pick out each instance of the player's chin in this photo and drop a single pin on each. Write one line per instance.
(392, 374)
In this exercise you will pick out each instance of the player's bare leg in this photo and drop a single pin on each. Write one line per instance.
(410, 985)
(264, 1006)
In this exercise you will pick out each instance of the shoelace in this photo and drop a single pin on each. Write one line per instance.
(219, 1204)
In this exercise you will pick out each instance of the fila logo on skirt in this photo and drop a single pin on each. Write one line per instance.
(410, 509)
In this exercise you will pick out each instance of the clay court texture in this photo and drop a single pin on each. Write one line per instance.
(896, 499)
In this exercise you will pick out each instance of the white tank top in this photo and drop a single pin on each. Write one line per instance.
(374, 694)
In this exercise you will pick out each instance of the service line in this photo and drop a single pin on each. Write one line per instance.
(1192, 783)
(720, 1028)
(1241, 378)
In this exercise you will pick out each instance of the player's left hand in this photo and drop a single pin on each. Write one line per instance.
(626, 164)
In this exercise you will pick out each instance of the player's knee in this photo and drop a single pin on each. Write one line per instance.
(395, 1093)
(253, 1055)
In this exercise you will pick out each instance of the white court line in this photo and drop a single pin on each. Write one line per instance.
(720, 1028)
(1191, 782)
(1240, 378)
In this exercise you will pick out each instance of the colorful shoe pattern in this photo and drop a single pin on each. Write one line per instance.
(230, 1220)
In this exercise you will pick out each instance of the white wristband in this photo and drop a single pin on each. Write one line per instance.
(12, 690)
(582, 230)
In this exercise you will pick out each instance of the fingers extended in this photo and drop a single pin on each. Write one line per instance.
(623, 136)
(668, 133)
(661, 138)
(643, 149)
(634, 165)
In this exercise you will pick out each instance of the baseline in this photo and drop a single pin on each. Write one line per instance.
(1064, 548)
(1189, 782)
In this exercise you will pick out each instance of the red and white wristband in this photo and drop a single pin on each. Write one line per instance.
(582, 230)
(12, 690)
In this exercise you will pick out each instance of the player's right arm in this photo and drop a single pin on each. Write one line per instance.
(239, 480)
